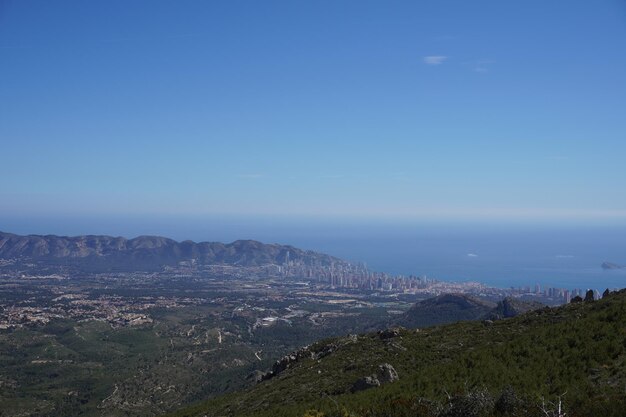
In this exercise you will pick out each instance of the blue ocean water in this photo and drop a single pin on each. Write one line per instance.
(563, 258)
(495, 253)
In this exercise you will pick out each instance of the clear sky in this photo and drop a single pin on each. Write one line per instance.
(362, 109)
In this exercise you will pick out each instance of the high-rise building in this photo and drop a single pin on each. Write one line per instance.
(567, 297)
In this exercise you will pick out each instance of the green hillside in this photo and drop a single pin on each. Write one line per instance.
(515, 367)
(444, 309)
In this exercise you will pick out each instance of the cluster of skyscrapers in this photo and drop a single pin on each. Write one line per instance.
(348, 275)
(562, 294)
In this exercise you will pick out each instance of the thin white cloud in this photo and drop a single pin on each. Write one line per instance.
(435, 59)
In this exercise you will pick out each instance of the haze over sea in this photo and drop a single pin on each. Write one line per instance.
(500, 254)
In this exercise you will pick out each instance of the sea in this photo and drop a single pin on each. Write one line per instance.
(506, 258)
(498, 254)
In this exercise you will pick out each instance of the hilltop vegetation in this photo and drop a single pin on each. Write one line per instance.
(517, 367)
(446, 308)
(452, 308)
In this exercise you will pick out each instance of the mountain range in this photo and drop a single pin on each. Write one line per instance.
(151, 252)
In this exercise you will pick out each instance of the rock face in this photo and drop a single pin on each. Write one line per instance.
(155, 251)
(385, 374)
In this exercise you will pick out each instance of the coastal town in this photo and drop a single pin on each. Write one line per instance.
(33, 293)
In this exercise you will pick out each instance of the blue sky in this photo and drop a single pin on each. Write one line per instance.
(329, 109)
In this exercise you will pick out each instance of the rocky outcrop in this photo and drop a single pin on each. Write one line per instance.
(512, 307)
(385, 374)
(577, 299)
(314, 352)
(389, 333)
(287, 361)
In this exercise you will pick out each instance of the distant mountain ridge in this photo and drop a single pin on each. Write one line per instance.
(152, 251)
